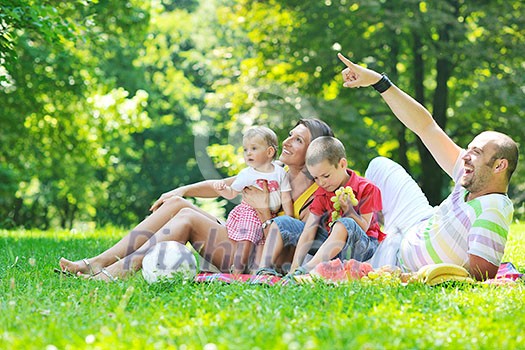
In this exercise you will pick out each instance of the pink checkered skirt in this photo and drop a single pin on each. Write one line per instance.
(243, 224)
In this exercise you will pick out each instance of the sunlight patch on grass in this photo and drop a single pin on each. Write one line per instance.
(515, 248)
(40, 309)
(106, 233)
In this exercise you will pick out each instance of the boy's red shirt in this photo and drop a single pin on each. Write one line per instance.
(367, 195)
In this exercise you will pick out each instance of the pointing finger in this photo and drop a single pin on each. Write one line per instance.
(345, 60)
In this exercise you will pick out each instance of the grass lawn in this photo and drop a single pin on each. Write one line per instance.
(41, 310)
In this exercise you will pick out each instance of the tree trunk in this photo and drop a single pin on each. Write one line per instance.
(433, 177)
(430, 180)
(401, 158)
(419, 87)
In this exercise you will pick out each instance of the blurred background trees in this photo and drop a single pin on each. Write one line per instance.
(108, 104)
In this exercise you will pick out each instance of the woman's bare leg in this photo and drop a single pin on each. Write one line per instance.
(284, 260)
(206, 235)
(134, 239)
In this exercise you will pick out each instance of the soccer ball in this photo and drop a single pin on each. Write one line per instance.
(167, 259)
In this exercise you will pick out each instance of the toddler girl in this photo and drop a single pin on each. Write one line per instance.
(243, 223)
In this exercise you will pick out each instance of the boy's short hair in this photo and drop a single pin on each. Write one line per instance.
(325, 148)
(266, 134)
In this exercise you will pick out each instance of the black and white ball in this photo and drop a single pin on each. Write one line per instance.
(167, 259)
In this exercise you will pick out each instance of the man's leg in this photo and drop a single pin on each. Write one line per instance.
(404, 204)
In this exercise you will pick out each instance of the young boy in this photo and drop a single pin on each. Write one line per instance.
(351, 233)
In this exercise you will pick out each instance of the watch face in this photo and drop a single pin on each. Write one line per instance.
(266, 223)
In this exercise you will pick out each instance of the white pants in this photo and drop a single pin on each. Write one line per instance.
(404, 205)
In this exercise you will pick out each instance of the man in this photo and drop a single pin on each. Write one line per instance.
(470, 227)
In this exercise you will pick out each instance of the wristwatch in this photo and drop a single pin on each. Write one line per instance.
(266, 224)
(383, 84)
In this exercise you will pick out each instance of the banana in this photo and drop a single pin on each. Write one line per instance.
(445, 278)
(438, 273)
(422, 272)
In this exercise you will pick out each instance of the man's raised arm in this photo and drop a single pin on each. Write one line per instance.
(410, 112)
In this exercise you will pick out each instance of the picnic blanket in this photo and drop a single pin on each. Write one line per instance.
(236, 278)
(507, 272)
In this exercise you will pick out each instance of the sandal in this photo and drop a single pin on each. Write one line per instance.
(86, 261)
(290, 277)
(267, 271)
(105, 272)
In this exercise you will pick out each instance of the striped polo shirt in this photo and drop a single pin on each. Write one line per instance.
(459, 228)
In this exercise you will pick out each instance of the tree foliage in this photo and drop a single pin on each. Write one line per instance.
(67, 120)
(443, 53)
(107, 104)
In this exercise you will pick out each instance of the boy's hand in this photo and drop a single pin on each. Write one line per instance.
(344, 200)
(343, 204)
(347, 207)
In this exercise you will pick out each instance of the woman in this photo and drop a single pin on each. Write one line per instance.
(176, 219)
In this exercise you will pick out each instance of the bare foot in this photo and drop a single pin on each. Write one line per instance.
(81, 266)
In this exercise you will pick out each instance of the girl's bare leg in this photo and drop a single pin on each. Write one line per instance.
(257, 257)
(273, 247)
(134, 239)
(205, 234)
(244, 250)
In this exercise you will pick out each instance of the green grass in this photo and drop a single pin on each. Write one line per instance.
(41, 310)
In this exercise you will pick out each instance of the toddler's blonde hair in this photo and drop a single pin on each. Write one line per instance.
(266, 134)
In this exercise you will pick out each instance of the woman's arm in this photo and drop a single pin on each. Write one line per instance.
(259, 199)
(287, 203)
(203, 189)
